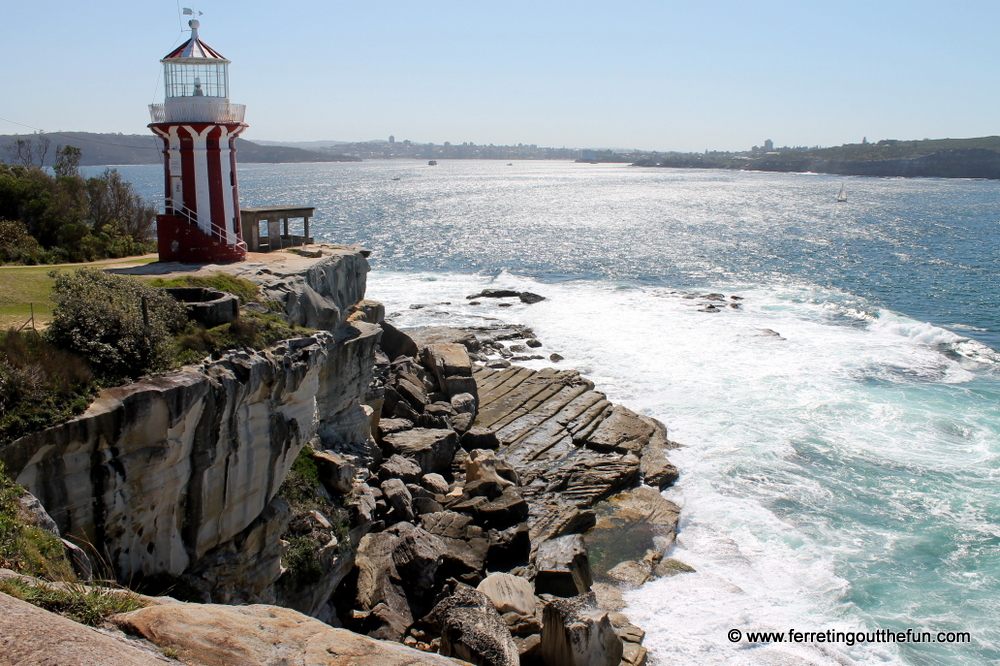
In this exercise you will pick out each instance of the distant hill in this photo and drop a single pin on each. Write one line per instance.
(101, 149)
(933, 158)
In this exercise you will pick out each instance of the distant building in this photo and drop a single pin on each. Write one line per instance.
(768, 145)
(392, 140)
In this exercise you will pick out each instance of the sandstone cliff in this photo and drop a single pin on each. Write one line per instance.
(177, 474)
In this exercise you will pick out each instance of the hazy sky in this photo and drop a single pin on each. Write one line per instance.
(665, 75)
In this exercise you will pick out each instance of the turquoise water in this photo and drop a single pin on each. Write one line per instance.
(841, 474)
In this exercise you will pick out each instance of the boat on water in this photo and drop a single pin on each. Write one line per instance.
(842, 194)
(432, 163)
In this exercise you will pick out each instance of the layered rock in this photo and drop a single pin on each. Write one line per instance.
(177, 474)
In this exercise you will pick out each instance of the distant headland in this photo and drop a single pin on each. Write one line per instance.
(104, 149)
(928, 158)
(933, 158)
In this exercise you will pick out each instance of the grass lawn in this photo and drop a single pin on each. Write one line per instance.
(22, 286)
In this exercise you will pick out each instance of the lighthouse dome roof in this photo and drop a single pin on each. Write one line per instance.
(195, 48)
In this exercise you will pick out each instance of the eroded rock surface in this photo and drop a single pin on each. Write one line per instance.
(211, 635)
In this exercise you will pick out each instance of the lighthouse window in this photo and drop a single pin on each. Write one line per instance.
(196, 80)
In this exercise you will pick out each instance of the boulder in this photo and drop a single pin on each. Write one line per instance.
(495, 293)
(670, 567)
(480, 438)
(431, 449)
(435, 483)
(576, 633)
(33, 513)
(378, 584)
(440, 409)
(211, 635)
(398, 498)
(462, 422)
(456, 385)
(622, 430)
(529, 298)
(505, 511)
(447, 359)
(563, 567)
(416, 556)
(509, 594)
(389, 426)
(412, 390)
(464, 403)
(444, 334)
(654, 468)
(508, 548)
(484, 465)
(398, 467)
(83, 566)
(334, 472)
(472, 630)
(634, 654)
(395, 343)
(448, 524)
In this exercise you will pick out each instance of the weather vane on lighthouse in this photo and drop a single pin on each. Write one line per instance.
(198, 126)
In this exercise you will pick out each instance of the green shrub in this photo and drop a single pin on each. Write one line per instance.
(302, 560)
(99, 316)
(301, 489)
(251, 330)
(17, 246)
(40, 385)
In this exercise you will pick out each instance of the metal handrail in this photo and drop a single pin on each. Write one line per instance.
(219, 232)
(205, 112)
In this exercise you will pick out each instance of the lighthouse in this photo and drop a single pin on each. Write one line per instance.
(198, 126)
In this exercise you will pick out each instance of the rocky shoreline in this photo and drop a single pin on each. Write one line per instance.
(482, 486)
(409, 486)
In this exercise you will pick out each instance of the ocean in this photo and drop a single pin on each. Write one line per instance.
(840, 427)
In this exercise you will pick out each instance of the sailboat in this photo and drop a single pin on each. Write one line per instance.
(842, 194)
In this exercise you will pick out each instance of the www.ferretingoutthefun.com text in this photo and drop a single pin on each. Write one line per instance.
(850, 637)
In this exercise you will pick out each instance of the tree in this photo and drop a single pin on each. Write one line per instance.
(27, 152)
(67, 161)
(116, 209)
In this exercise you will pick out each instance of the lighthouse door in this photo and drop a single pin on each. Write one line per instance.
(176, 193)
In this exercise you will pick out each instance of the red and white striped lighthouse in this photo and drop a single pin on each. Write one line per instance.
(198, 125)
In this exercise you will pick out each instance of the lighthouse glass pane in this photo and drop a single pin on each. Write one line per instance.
(196, 80)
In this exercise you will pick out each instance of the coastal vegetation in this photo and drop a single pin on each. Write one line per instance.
(306, 537)
(26, 548)
(34, 551)
(942, 158)
(63, 217)
(117, 148)
(123, 327)
(40, 384)
(109, 329)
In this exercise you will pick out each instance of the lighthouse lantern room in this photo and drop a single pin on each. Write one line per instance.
(198, 126)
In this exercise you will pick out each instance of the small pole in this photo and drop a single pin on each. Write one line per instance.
(33, 317)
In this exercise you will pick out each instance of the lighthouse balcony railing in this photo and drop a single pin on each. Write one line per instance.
(197, 111)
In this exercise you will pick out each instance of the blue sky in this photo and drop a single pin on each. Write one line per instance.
(721, 75)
